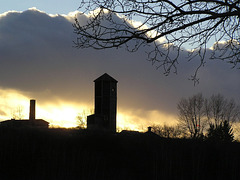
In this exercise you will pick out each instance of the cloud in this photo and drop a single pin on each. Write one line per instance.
(37, 58)
(10, 101)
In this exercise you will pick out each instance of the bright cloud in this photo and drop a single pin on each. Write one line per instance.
(10, 101)
(141, 119)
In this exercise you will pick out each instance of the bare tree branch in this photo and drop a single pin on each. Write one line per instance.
(166, 26)
(196, 113)
(192, 115)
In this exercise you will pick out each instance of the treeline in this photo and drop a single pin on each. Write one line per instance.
(59, 154)
(221, 133)
(203, 118)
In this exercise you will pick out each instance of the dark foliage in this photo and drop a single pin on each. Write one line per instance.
(222, 132)
(59, 154)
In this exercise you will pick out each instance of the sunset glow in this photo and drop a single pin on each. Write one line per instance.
(119, 89)
(60, 77)
(58, 114)
(64, 114)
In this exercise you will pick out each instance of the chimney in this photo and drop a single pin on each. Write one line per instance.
(32, 110)
(149, 129)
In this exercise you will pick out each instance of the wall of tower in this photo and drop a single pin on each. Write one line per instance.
(105, 103)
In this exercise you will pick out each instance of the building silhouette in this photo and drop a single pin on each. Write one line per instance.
(27, 123)
(104, 117)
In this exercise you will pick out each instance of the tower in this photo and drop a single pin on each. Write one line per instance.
(32, 110)
(105, 110)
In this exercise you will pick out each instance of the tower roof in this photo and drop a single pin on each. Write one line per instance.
(106, 77)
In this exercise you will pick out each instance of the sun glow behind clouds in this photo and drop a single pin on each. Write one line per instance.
(141, 119)
(64, 114)
(10, 100)
(57, 113)
(61, 115)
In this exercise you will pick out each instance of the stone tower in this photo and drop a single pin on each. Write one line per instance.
(104, 117)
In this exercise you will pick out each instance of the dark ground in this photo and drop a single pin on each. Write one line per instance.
(58, 154)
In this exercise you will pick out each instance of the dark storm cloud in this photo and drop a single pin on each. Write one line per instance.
(37, 56)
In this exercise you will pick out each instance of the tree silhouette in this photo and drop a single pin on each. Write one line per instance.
(222, 132)
(165, 25)
(197, 113)
(219, 109)
(82, 118)
(17, 113)
(192, 115)
(167, 131)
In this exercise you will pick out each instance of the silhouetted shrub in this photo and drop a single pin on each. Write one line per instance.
(222, 132)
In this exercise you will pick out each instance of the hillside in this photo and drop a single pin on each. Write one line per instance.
(60, 154)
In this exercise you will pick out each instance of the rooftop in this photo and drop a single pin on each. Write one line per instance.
(106, 77)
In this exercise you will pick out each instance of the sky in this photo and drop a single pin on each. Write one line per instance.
(48, 6)
(38, 61)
